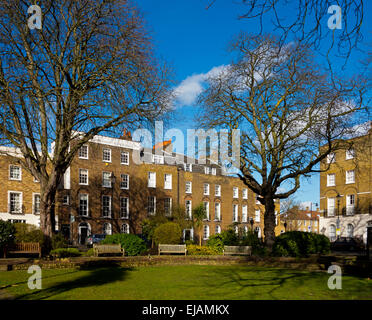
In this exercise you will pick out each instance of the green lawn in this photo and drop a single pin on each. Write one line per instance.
(182, 282)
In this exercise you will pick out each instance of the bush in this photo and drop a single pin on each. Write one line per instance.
(89, 253)
(250, 238)
(229, 238)
(300, 244)
(29, 233)
(168, 233)
(195, 250)
(7, 233)
(132, 244)
(59, 241)
(216, 242)
(65, 252)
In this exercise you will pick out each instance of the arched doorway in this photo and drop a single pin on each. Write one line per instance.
(83, 232)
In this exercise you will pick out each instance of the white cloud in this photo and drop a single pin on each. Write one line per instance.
(189, 89)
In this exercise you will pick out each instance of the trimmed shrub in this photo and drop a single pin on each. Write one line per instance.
(229, 238)
(7, 233)
(300, 244)
(195, 250)
(89, 253)
(216, 242)
(168, 233)
(65, 252)
(132, 244)
(59, 241)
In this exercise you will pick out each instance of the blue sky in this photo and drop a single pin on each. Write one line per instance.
(193, 41)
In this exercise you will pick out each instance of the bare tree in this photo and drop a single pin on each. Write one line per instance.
(285, 109)
(308, 22)
(91, 68)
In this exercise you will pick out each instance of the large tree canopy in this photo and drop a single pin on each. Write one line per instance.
(89, 69)
(286, 108)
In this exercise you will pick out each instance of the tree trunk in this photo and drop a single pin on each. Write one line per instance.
(269, 222)
(47, 210)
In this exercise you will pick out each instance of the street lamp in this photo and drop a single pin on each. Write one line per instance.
(338, 216)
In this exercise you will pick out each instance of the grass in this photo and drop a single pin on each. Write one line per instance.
(182, 282)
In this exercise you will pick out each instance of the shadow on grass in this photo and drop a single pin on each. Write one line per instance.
(270, 278)
(95, 278)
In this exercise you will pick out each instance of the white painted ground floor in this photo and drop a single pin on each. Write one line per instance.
(350, 226)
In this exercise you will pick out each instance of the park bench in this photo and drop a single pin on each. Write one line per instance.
(172, 248)
(239, 250)
(24, 248)
(107, 249)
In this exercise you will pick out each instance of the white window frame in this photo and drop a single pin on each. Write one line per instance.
(109, 206)
(217, 229)
(331, 158)
(235, 192)
(331, 210)
(206, 189)
(168, 214)
(87, 199)
(103, 179)
(151, 179)
(350, 154)
(331, 183)
(244, 213)
(332, 232)
(217, 213)
(188, 167)
(127, 227)
(188, 187)
(10, 172)
(87, 152)
(126, 207)
(257, 215)
(348, 176)
(350, 204)
(245, 194)
(214, 171)
(66, 203)
(188, 209)
(152, 205)
(122, 181)
(109, 229)
(103, 154)
(20, 209)
(34, 202)
(235, 216)
(124, 153)
(168, 183)
(206, 170)
(81, 175)
(206, 232)
(217, 190)
(206, 207)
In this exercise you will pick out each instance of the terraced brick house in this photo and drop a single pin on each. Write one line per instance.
(106, 191)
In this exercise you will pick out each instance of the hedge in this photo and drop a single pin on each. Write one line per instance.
(168, 233)
(65, 252)
(132, 244)
(195, 250)
(300, 244)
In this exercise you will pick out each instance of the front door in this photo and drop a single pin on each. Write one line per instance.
(83, 233)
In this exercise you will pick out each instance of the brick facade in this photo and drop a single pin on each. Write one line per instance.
(83, 188)
(349, 176)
